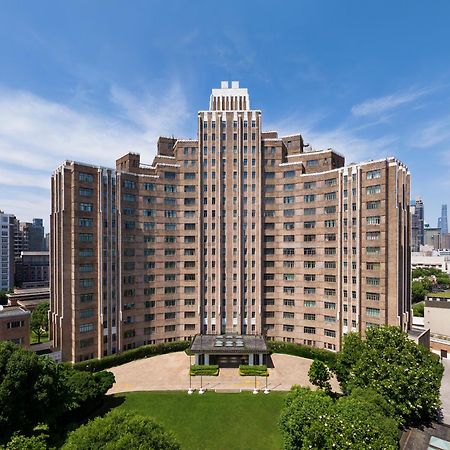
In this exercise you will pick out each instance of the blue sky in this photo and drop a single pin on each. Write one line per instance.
(92, 80)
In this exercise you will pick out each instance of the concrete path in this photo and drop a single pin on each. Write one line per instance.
(171, 372)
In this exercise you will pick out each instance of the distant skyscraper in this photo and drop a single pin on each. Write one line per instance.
(417, 224)
(442, 221)
(7, 225)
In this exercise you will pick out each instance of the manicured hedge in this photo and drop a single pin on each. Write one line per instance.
(95, 365)
(329, 358)
(212, 370)
(259, 371)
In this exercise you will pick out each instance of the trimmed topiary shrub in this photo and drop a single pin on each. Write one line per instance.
(259, 371)
(96, 365)
(211, 371)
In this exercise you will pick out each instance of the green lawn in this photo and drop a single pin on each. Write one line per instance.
(34, 340)
(214, 421)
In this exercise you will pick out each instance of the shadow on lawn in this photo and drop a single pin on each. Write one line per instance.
(72, 422)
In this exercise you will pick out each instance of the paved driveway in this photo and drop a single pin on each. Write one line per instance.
(171, 372)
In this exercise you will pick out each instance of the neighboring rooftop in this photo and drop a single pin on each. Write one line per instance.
(12, 311)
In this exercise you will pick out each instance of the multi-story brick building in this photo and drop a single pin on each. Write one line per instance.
(15, 325)
(237, 231)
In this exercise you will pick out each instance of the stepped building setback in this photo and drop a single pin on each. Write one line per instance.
(239, 232)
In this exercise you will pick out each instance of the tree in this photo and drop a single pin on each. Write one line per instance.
(302, 407)
(19, 442)
(39, 320)
(418, 309)
(363, 420)
(319, 375)
(349, 355)
(35, 390)
(406, 374)
(360, 421)
(418, 291)
(121, 430)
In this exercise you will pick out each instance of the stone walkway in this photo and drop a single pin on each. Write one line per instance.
(171, 372)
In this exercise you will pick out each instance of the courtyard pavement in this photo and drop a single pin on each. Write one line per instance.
(171, 372)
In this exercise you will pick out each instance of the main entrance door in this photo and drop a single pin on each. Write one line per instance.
(228, 360)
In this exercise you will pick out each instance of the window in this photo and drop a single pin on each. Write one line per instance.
(330, 305)
(289, 212)
(288, 315)
(149, 186)
(86, 252)
(373, 235)
(309, 290)
(373, 296)
(289, 187)
(309, 184)
(128, 184)
(86, 177)
(290, 199)
(329, 319)
(309, 264)
(309, 251)
(374, 312)
(309, 225)
(375, 189)
(86, 207)
(85, 222)
(330, 223)
(328, 291)
(329, 333)
(373, 281)
(288, 251)
(309, 198)
(330, 250)
(309, 330)
(86, 192)
(375, 204)
(309, 237)
(372, 174)
(86, 328)
(309, 211)
(373, 220)
(312, 162)
(330, 264)
(329, 209)
(329, 196)
(373, 250)
(330, 182)
(288, 328)
(288, 225)
(289, 174)
(86, 237)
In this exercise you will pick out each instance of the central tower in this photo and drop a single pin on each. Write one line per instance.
(229, 136)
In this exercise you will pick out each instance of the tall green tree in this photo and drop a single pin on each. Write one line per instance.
(39, 320)
(121, 430)
(406, 374)
(319, 375)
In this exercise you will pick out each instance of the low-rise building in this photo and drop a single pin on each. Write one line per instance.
(437, 320)
(32, 269)
(15, 325)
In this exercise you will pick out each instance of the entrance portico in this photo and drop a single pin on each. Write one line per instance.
(229, 350)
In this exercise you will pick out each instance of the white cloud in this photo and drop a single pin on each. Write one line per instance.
(434, 133)
(37, 135)
(386, 103)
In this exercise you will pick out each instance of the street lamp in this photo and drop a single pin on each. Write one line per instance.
(201, 391)
(266, 389)
(255, 391)
(190, 391)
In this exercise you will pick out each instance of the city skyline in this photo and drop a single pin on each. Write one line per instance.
(95, 95)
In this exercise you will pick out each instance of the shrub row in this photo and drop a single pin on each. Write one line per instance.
(204, 370)
(95, 365)
(259, 371)
(329, 358)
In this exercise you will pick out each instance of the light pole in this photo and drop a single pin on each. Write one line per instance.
(255, 391)
(190, 391)
(201, 391)
(266, 389)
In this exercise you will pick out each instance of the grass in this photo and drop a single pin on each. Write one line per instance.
(213, 421)
(34, 339)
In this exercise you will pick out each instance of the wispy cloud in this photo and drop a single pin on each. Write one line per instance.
(36, 135)
(433, 133)
(389, 102)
